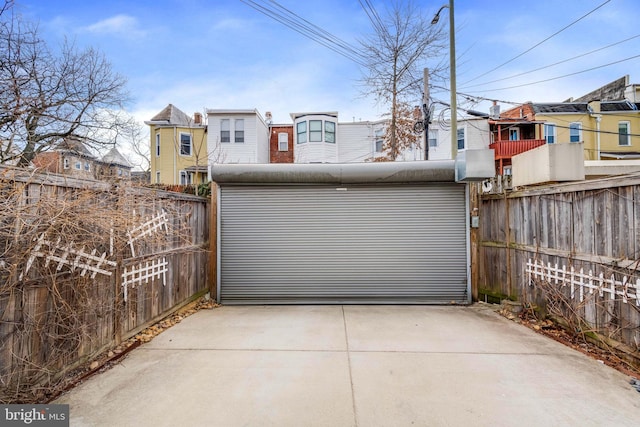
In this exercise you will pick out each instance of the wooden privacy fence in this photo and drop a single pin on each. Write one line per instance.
(573, 248)
(85, 265)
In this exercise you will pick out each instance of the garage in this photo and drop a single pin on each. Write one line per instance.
(341, 234)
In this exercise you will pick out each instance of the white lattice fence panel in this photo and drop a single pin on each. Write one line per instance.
(581, 282)
(69, 256)
(143, 272)
(147, 228)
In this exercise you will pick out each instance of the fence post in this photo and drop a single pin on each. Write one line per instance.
(213, 243)
(508, 241)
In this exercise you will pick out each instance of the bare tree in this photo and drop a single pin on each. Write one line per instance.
(46, 96)
(397, 52)
(136, 138)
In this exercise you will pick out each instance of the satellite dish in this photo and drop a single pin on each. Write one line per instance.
(487, 186)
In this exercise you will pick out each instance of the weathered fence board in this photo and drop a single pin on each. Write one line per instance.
(590, 226)
(52, 315)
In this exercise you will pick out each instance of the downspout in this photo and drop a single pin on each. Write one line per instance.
(598, 120)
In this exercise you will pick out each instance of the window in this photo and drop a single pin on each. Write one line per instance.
(283, 141)
(315, 130)
(550, 133)
(239, 130)
(184, 178)
(301, 129)
(225, 131)
(78, 165)
(460, 139)
(624, 131)
(330, 132)
(157, 177)
(575, 132)
(157, 145)
(87, 166)
(433, 138)
(514, 134)
(379, 140)
(65, 163)
(185, 144)
(119, 172)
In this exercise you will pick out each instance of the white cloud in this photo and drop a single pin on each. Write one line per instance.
(123, 25)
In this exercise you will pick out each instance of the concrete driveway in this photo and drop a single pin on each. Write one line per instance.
(354, 366)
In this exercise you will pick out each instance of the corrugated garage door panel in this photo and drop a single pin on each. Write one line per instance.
(356, 244)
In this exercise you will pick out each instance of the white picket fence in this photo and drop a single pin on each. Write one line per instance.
(156, 223)
(579, 281)
(143, 272)
(68, 256)
(74, 258)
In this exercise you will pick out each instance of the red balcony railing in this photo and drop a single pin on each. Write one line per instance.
(508, 149)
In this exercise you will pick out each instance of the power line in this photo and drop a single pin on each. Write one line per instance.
(537, 44)
(373, 16)
(556, 63)
(558, 77)
(302, 26)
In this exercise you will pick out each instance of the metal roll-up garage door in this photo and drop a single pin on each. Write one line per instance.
(320, 244)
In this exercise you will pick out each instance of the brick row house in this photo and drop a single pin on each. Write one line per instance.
(71, 157)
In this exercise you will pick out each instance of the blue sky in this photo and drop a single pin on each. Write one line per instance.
(199, 54)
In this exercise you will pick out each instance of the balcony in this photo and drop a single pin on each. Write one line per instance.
(508, 149)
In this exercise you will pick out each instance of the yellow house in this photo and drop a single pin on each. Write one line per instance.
(608, 129)
(178, 144)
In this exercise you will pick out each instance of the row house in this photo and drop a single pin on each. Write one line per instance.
(71, 157)
(182, 147)
(606, 121)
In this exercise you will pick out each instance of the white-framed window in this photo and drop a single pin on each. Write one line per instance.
(65, 163)
(158, 177)
(514, 134)
(550, 133)
(185, 144)
(225, 130)
(283, 141)
(158, 144)
(433, 138)
(239, 131)
(330, 132)
(184, 177)
(624, 133)
(460, 137)
(575, 132)
(119, 172)
(78, 165)
(315, 130)
(301, 132)
(87, 166)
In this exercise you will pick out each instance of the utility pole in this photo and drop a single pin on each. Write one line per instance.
(426, 112)
(452, 70)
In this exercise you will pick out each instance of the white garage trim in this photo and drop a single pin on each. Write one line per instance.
(314, 234)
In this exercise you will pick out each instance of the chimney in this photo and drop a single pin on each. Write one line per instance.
(197, 118)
